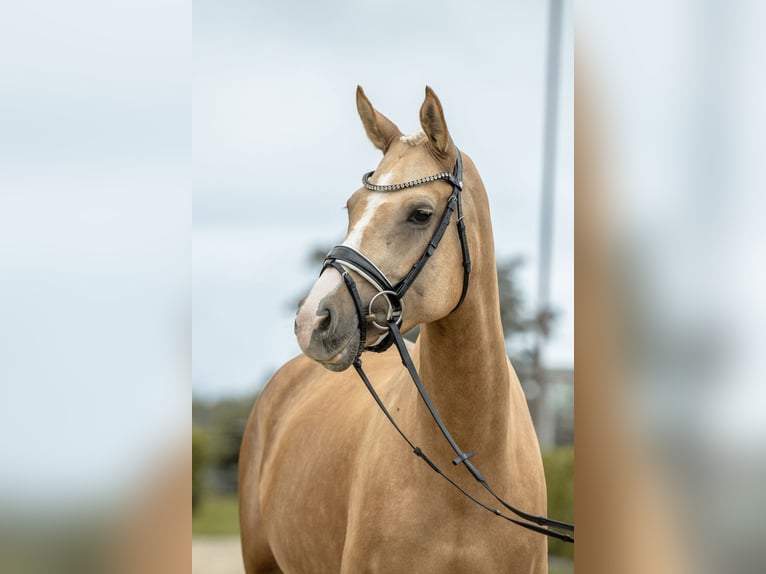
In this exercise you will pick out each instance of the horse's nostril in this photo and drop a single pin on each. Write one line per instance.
(324, 324)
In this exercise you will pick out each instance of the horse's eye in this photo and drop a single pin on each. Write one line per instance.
(421, 215)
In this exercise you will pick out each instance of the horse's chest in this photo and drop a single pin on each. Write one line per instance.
(369, 505)
(406, 519)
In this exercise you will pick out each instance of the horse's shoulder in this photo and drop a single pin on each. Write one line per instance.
(289, 380)
(275, 399)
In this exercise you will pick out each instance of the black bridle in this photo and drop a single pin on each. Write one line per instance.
(343, 259)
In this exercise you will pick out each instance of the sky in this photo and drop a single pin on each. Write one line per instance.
(278, 148)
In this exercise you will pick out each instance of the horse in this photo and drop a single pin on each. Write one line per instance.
(326, 483)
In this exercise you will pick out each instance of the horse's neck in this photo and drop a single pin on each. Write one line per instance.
(463, 365)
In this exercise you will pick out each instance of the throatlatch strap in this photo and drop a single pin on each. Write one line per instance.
(461, 233)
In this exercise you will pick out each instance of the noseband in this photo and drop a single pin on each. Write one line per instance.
(344, 259)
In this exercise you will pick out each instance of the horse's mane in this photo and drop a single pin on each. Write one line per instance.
(413, 139)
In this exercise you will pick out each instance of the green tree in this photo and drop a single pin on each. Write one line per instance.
(224, 424)
(521, 325)
(200, 445)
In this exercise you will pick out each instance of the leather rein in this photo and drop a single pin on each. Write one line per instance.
(343, 259)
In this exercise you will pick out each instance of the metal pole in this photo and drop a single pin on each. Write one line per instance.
(544, 419)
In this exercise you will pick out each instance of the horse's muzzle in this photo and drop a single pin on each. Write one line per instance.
(326, 324)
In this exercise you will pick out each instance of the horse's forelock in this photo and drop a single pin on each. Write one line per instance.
(413, 139)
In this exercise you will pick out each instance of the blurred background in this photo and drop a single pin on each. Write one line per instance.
(96, 271)
(279, 147)
(671, 277)
(95, 291)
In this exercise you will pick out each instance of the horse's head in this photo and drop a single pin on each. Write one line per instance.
(392, 229)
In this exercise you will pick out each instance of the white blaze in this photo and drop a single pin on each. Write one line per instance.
(306, 320)
(374, 201)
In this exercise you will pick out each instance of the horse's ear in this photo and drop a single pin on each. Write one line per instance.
(379, 128)
(433, 124)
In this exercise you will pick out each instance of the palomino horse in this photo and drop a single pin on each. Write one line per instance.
(326, 484)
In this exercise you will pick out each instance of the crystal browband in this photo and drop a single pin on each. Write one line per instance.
(397, 186)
